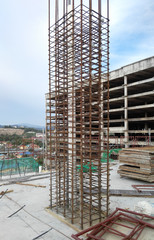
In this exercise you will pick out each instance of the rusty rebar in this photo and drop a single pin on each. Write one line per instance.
(77, 112)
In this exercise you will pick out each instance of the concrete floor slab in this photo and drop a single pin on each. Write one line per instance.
(118, 182)
(33, 220)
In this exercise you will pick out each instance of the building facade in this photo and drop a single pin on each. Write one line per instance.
(132, 104)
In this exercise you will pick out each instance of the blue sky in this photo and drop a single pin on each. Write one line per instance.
(24, 51)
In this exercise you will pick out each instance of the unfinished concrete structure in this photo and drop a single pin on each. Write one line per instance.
(132, 104)
(78, 112)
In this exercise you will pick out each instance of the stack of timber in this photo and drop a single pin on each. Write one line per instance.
(137, 163)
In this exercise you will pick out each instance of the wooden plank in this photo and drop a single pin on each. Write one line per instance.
(137, 163)
(136, 170)
(130, 193)
(139, 149)
(5, 192)
(31, 185)
(147, 178)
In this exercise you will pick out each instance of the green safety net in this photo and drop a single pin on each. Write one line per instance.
(18, 166)
(111, 151)
(86, 168)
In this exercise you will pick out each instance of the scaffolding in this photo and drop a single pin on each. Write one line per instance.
(77, 112)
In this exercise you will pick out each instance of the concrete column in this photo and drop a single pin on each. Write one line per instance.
(71, 110)
(103, 132)
(126, 112)
(146, 124)
(71, 89)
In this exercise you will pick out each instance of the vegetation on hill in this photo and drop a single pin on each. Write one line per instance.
(24, 138)
(31, 130)
(13, 139)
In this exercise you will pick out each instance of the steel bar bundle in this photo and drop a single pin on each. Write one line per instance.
(77, 112)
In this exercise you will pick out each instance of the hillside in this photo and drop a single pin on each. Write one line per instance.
(11, 131)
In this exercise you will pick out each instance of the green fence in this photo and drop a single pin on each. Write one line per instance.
(18, 166)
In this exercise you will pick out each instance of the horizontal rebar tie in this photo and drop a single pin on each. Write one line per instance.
(76, 110)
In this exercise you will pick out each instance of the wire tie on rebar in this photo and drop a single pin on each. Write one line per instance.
(16, 211)
(3, 193)
(42, 234)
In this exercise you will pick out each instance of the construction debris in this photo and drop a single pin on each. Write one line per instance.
(4, 192)
(143, 207)
(130, 193)
(27, 178)
(137, 163)
(16, 211)
(42, 234)
(121, 223)
(142, 188)
(31, 185)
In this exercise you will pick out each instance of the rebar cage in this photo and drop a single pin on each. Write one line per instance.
(77, 114)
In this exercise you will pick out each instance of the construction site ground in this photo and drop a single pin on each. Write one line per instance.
(24, 214)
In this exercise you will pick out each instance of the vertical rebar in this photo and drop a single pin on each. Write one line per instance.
(108, 96)
(56, 10)
(73, 119)
(79, 59)
(81, 119)
(99, 103)
(64, 9)
(90, 111)
(64, 116)
(57, 178)
(49, 54)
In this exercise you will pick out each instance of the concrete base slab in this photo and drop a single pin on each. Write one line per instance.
(33, 220)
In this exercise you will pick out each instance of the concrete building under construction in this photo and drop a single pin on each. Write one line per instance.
(132, 104)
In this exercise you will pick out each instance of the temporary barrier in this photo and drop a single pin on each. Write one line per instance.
(18, 166)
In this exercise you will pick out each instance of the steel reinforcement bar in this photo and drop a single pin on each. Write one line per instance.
(77, 114)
